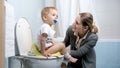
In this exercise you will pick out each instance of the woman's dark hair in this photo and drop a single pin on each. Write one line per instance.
(87, 20)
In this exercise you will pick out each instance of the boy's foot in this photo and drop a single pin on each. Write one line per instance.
(67, 56)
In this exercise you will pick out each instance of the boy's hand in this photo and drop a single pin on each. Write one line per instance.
(46, 54)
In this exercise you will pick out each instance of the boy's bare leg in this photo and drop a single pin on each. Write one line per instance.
(59, 47)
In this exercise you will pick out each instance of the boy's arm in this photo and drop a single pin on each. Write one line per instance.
(42, 42)
(53, 41)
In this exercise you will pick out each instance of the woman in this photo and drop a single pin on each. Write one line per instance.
(82, 37)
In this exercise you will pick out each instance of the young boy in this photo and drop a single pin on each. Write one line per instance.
(45, 37)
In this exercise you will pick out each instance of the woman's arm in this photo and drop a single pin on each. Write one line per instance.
(85, 48)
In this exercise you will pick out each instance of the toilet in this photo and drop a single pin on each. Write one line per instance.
(23, 42)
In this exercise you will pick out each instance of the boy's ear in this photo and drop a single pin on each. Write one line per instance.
(44, 17)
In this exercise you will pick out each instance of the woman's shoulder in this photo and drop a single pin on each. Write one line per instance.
(70, 31)
(70, 28)
(92, 35)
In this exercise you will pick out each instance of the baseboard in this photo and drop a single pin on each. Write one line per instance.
(109, 40)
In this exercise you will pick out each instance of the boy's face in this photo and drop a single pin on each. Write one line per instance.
(51, 16)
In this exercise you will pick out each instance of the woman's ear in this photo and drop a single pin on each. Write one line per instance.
(86, 27)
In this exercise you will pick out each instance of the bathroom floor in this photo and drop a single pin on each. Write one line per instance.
(63, 65)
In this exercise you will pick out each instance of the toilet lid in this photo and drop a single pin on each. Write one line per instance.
(23, 36)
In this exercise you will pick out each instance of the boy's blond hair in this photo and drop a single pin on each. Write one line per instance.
(46, 11)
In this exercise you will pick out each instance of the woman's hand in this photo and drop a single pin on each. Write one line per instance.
(73, 60)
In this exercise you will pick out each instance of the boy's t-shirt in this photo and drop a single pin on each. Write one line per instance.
(45, 28)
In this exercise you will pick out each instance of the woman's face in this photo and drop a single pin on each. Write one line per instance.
(77, 25)
(51, 16)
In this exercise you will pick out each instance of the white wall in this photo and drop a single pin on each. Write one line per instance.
(106, 15)
(108, 18)
(9, 32)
